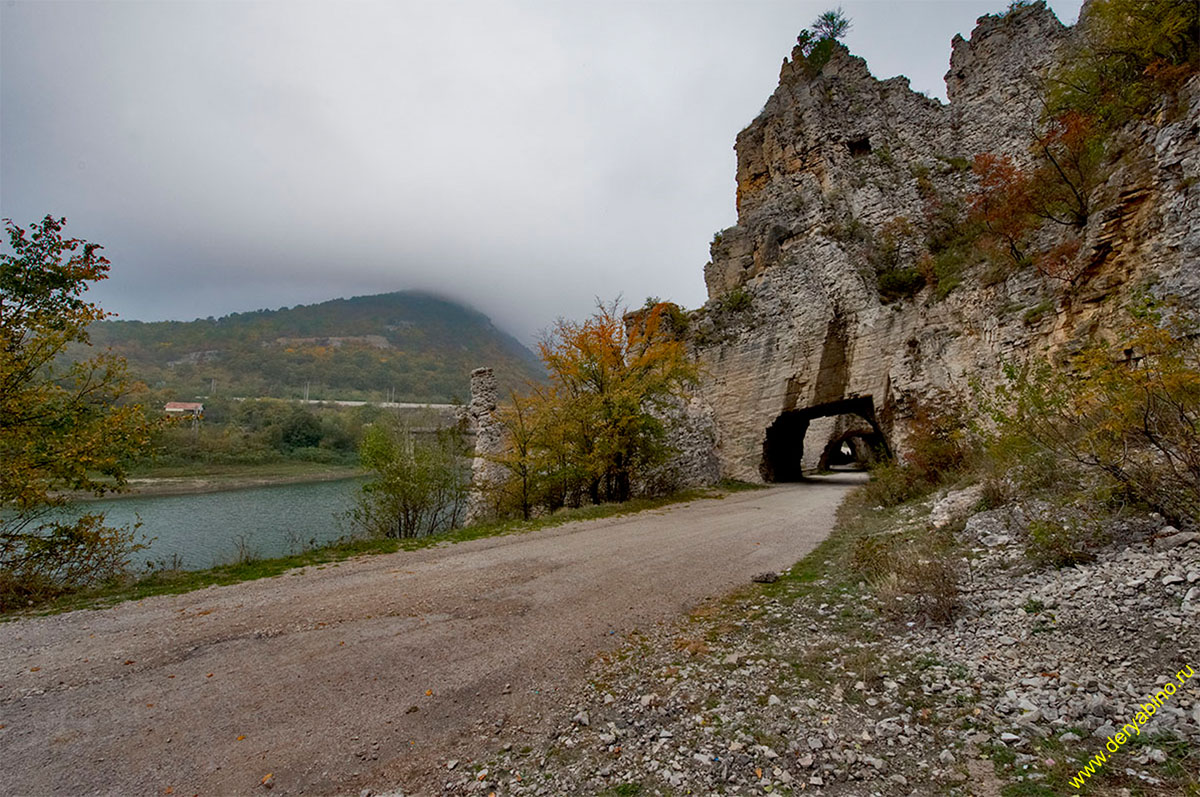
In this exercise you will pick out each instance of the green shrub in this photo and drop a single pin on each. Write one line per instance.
(1062, 543)
(937, 444)
(737, 300)
(955, 162)
(419, 485)
(936, 453)
(899, 283)
(893, 484)
(948, 268)
(1036, 313)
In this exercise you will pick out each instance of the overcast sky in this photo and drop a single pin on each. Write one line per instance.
(524, 157)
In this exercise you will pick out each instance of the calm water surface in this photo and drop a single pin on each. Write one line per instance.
(212, 528)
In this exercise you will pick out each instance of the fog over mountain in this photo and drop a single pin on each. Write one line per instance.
(525, 157)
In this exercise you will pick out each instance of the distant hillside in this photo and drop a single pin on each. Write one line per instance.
(404, 346)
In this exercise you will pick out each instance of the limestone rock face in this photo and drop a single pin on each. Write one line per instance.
(992, 84)
(693, 461)
(840, 170)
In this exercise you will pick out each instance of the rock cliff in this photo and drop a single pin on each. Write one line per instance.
(843, 178)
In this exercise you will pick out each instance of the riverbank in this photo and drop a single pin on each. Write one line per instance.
(219, 478)
(250, 567)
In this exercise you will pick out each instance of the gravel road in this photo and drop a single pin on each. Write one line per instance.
(375, 672)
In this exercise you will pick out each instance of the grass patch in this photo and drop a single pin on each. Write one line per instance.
(173, 582)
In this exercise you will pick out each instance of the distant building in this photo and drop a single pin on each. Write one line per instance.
(184, 408)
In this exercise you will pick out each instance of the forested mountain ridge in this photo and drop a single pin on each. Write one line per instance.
(403, 346)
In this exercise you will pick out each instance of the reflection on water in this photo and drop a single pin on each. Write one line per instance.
(213, 528)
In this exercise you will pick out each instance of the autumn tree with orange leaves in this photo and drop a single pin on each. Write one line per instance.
(600, 423)
(1012, 202)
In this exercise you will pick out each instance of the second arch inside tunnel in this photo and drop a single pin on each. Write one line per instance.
(849, 434)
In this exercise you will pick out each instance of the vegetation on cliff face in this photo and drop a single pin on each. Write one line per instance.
(1120, 426)
(63, 425)
(1127, 55)
(405, 346)
(1127, 59)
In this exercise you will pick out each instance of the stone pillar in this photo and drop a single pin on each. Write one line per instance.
(489, 441)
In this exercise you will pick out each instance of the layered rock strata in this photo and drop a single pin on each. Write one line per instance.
(841, 171)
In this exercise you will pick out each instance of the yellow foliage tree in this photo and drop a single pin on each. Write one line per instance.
(601, 421)
(64, 423)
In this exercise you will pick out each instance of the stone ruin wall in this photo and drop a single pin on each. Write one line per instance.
(483, 423)
(841, 155)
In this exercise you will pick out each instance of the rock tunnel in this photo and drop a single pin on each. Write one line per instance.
(783, 446)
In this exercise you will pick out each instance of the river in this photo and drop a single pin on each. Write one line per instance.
(206, 529)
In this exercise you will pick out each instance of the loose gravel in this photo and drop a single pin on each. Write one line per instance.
(811, 684)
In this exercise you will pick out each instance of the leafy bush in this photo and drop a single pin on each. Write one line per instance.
(899, 283)
(937, 445)
(936, 452)
(1039, 311)
(1061, 543)
(737, 300)
(1119, 424)
(893, 484)
(420, 482)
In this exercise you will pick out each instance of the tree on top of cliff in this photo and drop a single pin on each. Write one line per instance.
(816, 44)
(831, 24)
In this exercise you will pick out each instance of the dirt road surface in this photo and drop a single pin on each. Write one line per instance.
(375, 672)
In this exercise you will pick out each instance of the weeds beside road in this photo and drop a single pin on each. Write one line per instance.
(250, 568)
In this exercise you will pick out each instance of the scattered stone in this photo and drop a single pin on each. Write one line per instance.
(1175, 538)
(1031, 653)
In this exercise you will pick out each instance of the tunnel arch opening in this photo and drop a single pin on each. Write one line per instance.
(783, 444)
(857, 448)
